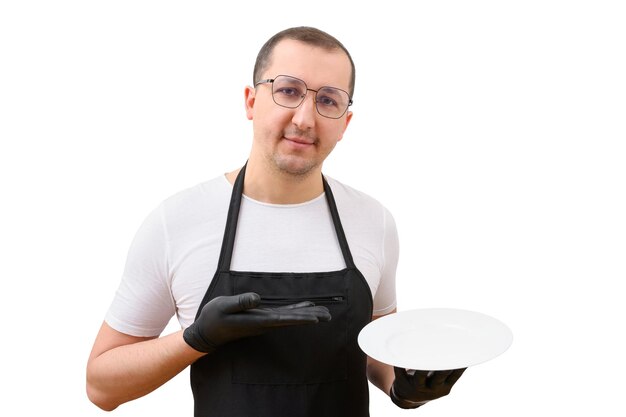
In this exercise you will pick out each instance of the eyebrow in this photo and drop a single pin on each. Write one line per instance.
(307, 85)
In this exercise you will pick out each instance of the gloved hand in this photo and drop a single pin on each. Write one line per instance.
(411, 390)
(227, 318)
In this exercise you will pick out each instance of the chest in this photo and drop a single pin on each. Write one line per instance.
(268, 239)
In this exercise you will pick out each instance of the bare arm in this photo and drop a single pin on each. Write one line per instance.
(122, 368)
(378, 373)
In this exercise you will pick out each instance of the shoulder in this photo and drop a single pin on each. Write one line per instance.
(349, 198)
(198, 205)
(359, 211)
(198, 197)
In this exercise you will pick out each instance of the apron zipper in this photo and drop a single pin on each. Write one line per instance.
(316, 299)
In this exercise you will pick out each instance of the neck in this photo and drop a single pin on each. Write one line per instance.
(278, 188)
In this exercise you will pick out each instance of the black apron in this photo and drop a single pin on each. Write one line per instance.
(299, 371)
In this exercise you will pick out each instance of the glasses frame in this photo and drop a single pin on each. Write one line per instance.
(271, 81)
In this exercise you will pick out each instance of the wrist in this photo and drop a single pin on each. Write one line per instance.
(196, 341)
(402, 403)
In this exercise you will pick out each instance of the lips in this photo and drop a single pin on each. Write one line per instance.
(299, 140)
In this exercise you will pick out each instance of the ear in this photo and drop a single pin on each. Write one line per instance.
(348, 118)
(249, 94)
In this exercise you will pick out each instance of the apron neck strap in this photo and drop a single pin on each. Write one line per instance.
(341, 236)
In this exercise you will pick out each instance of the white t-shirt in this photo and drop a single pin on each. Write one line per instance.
(174, 254)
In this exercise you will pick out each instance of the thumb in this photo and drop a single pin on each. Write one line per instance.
(241, 302)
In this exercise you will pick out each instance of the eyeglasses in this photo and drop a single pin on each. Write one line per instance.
(290, 92)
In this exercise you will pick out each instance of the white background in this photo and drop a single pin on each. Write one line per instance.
(493, 130)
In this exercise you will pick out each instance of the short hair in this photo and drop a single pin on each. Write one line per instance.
(306, 34)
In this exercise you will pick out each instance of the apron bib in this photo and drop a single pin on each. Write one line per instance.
(299, 371)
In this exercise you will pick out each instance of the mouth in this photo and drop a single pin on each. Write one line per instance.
(299, 141)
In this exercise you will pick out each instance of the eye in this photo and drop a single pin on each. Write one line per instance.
(326, 101)
(288, 91)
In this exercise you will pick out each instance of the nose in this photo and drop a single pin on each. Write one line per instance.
(305, 114)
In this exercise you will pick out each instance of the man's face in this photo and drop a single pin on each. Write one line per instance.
(297, 141)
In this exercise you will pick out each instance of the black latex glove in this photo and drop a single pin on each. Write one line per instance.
(412, 389)
(229, 318)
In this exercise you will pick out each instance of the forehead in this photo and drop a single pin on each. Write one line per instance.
(316, 66)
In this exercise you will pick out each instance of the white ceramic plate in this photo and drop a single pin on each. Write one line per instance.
(435, 339)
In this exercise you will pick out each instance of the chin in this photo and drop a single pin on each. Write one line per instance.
(294, 166)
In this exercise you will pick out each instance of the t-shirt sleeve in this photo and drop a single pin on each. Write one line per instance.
(385, 298)
(143, 303)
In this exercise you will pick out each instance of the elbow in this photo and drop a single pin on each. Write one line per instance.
(100, 400)
(99, 397)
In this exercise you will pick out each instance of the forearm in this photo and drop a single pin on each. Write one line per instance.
(380, 374)
(127, 372)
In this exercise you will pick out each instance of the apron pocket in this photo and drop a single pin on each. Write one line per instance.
(304, 354)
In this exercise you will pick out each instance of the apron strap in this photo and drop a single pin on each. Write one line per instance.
(226, 253)
(230, 231)
(341, 236)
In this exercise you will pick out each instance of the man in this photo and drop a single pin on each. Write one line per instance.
(272, 269)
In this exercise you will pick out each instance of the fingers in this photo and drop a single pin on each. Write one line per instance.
(303, 308)
(249, 300)
(438, 378)
(429, 379)
(454, 376)
(247, 305)
(281, 316)
(422, 378)
(303, 315)
(400, 373)
(240, 302)
(448, 377)
(299, 305)
(413, 377)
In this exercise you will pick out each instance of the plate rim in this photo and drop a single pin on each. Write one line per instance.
(364, 340)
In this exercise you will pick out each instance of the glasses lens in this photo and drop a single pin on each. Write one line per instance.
(332, 102)
(288, 92)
